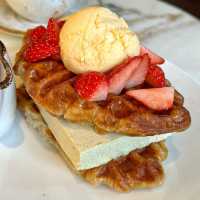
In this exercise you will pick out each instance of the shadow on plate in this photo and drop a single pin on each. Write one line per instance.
(173, 153)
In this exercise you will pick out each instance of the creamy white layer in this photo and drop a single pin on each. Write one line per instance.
(87, 149)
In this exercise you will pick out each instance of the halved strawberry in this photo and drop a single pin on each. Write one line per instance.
(36, 33)
(53, 30)
(92, 86)
(37, 51)
(60, 23)
(43, 42)
(138, 76)
(154, 98)
(155, 59)
(155, 76)
(119, 76)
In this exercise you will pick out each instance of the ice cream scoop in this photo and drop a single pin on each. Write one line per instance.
(96, 39)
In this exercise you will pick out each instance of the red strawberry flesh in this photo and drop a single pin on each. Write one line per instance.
(53, 30)
(37, 52)
(92, 86)
(43, 42)
(119, 76)
(155, 59)
(60, 23)
(36, 33)
(155, 76)
(155, 98)
(138, 76)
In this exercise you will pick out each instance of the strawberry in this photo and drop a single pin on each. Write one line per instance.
(55, 52)
(60, 23)
(37, 52)
(119, 76)
(92, 86)
(155, 76)
(53, 31)
(52, 38)
(155, 59)
(37, 33)
(138, 76)
(43, 42)
(155, 98)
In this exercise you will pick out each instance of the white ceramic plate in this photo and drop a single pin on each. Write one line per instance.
(32, 169)
(12, 23)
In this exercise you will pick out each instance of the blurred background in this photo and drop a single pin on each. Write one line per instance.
(191, 6)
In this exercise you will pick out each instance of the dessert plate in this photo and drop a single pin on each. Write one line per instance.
(32, 169)
(11, 22)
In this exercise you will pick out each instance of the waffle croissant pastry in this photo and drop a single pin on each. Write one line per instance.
(49, 84)
(110, 124)
(141, 168)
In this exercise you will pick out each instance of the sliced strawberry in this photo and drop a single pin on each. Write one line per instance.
(60, 23)
(43, 42)
(154, 98)
(92, 86)
(140, 73)
(52, 38)
(119, 76)
(155, 59)
(37, 33)
(53, 31)
(55, 52)
(155, 76)
(37, 52)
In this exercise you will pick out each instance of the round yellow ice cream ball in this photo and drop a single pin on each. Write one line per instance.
(96, 39)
